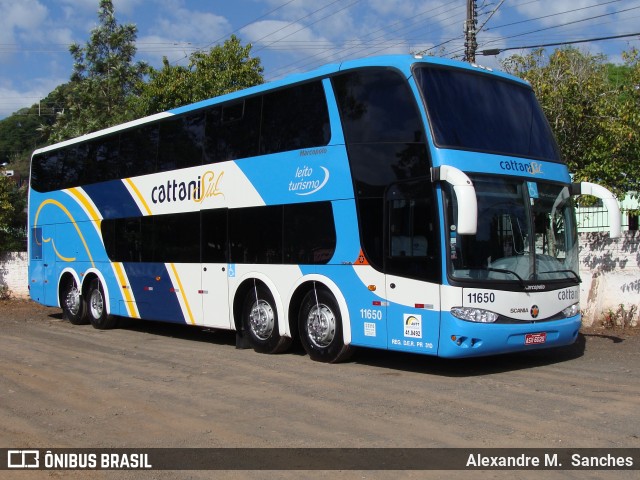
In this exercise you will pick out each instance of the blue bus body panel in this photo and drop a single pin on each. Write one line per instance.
(478, 339)
(314, 174)
(113, 199)
(154, 292)
(501, 165)
(414, 330)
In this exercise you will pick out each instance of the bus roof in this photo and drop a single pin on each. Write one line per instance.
(400, 62)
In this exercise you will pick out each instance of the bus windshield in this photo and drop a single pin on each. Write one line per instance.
(527, 233)
(474, 111)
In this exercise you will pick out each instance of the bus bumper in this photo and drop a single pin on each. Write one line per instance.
(459, 338)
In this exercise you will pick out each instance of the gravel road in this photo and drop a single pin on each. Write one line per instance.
(159, 385)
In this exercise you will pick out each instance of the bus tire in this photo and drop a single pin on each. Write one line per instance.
(260, 321)
(97, 307)
(320, 326)
(73, 305)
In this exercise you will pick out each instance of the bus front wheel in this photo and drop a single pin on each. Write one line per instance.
(260, 321)
(97, 307)
(320, 325)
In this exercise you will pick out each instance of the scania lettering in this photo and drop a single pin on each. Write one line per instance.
(373, 203)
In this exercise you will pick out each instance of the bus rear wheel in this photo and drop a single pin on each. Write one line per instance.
(73, 305)
(320, 325)
(260, 321)
(97, 307)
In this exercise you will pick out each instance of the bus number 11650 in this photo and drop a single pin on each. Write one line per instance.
(481, 297)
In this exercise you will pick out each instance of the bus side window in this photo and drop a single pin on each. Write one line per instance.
(309, 233)
(181, 143)
(139, 151)
(103, 154)
(411, 235)
(36, 243)
(214, 235)
(294, 118)
(255, 234)
(233, 130)
(46, 171)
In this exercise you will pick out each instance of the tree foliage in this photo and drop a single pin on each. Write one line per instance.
(27, 129)
(593, 111)
(104, 80)
(13, 219)
(223, 69)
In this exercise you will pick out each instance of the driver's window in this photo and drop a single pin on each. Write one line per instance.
(411, 231)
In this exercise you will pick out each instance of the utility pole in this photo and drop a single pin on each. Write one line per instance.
(470, 24)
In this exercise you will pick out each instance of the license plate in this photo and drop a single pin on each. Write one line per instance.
(535, 338)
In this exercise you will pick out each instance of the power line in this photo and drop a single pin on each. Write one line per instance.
(496, 51)
(354, 47)
(552, 15)
(308, 25)
(490, 15)
(555, 26)
(236, 30)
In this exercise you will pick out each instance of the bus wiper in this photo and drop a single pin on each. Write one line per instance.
(501, 270)
(564, 271)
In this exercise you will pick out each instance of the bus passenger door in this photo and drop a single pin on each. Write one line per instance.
(215, 296)
(43, 283)
(215, 269)
(36, 265)
(412, 267)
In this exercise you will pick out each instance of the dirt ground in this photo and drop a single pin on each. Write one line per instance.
(148, 384)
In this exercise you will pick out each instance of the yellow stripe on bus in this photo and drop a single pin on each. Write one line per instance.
(73, 222)
(129, 301)
(139, 195)
(182, 292)
(93, 213)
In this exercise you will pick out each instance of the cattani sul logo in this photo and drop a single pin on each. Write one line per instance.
(197, 190)
(533, 168)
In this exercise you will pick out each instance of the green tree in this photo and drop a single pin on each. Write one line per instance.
(223, 69)
(25, 130)
(593, 116)
(13, 219)
(18, 133)
(104, 80)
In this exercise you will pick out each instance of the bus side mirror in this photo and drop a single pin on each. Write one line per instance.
(609, 201)
(467, 221)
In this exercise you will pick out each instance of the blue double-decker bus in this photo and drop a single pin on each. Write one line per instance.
(398, 202)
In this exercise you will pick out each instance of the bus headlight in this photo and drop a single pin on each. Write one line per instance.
(571, 311)
(474, 314)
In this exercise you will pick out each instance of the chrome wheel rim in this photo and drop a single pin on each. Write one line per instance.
(72, 300)
(262, 320)
(96, 304)
(321, 325)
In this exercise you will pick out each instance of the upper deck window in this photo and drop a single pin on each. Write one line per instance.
(484, 113)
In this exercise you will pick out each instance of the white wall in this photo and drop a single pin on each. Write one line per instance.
(13, 273)
(610, 274)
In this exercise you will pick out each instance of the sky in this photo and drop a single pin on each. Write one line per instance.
(293, 36)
